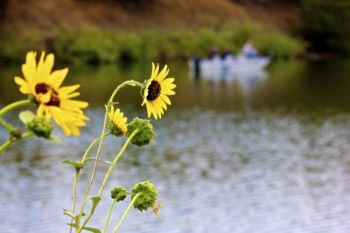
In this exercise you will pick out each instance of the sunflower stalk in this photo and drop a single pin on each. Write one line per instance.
(155, 93)
(6, 125)
(126, 212)
(115, 161)
(77, 174)
(9, 142)
(14, 136)
(13, 106)
(109, 214)
(108, 173)
(99, 149)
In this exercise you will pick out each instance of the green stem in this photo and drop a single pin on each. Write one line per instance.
(92, 144)
(76, 177)
(98, 153)
(10, 141)
(74, 196)
(93, 172)
(5, 145)
(6, 125)
(14, 105)
(126, 213)
(109, 216)
(8, 108)
(115, 161)
(124, 84)
(92, 210)
(110, 169)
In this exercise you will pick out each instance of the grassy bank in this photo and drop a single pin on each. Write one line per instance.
(90, 45)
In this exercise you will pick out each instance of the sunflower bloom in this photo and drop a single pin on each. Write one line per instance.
(157, 90)
(118, 123)
(53, 100)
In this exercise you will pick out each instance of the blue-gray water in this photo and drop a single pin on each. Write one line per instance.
(265, 155)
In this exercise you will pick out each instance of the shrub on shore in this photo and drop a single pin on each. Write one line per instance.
(98, 46)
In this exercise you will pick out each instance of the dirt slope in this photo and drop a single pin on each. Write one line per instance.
(48, 15)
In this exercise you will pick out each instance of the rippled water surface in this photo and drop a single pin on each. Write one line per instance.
(265, 153)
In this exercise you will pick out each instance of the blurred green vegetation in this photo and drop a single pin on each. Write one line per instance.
(99, 46)
(15, 44)
(326, 24)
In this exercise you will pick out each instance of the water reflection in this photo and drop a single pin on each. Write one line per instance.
(295, 85)
(218, 165)
(246, 81)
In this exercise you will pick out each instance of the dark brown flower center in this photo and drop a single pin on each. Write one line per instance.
(43, 88)
(153, 91)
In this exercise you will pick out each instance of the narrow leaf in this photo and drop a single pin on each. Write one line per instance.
(95, 201)
(74, 164)
(92, 229)
(93, 159)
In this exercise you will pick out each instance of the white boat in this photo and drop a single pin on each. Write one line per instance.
(246, 65)
(240, 64)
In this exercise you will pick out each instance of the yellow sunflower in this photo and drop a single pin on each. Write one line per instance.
(157, 90)
(53, 100)
(118, 123)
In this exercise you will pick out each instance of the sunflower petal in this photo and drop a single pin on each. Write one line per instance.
(57, 77)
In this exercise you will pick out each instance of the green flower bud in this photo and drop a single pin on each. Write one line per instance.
(16, 133)
(119, 193)
(41, 126)
(147, 195)
(145, 135)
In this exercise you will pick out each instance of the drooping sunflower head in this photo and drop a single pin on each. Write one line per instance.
(118, 123)
(157, 89)
(53, 100)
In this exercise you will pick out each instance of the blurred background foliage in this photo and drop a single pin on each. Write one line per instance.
(326, 24)
(109, 31)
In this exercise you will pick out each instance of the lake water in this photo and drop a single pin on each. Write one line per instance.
(266, 153)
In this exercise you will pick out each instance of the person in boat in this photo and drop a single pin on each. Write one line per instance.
(249, 51)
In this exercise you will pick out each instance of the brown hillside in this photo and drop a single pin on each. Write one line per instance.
(47, 15)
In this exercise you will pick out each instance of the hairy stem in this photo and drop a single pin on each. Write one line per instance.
(99, 149)
(10, 141)
(110, 169)
(13, 106)
(109, 216)
(74, 196)
(115, 161)
(76, 177)
(6, 125)
(126, 213)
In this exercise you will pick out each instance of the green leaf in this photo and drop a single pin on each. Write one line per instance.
(72, 225)
(75, 217)
(68, 213)
(75, 164)
(95, 200)
(92, 229)
(93, 159)
(26, 116)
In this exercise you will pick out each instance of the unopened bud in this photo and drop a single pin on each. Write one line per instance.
(41, 126)
(147, 195)
(145, 135)
(119, 193)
